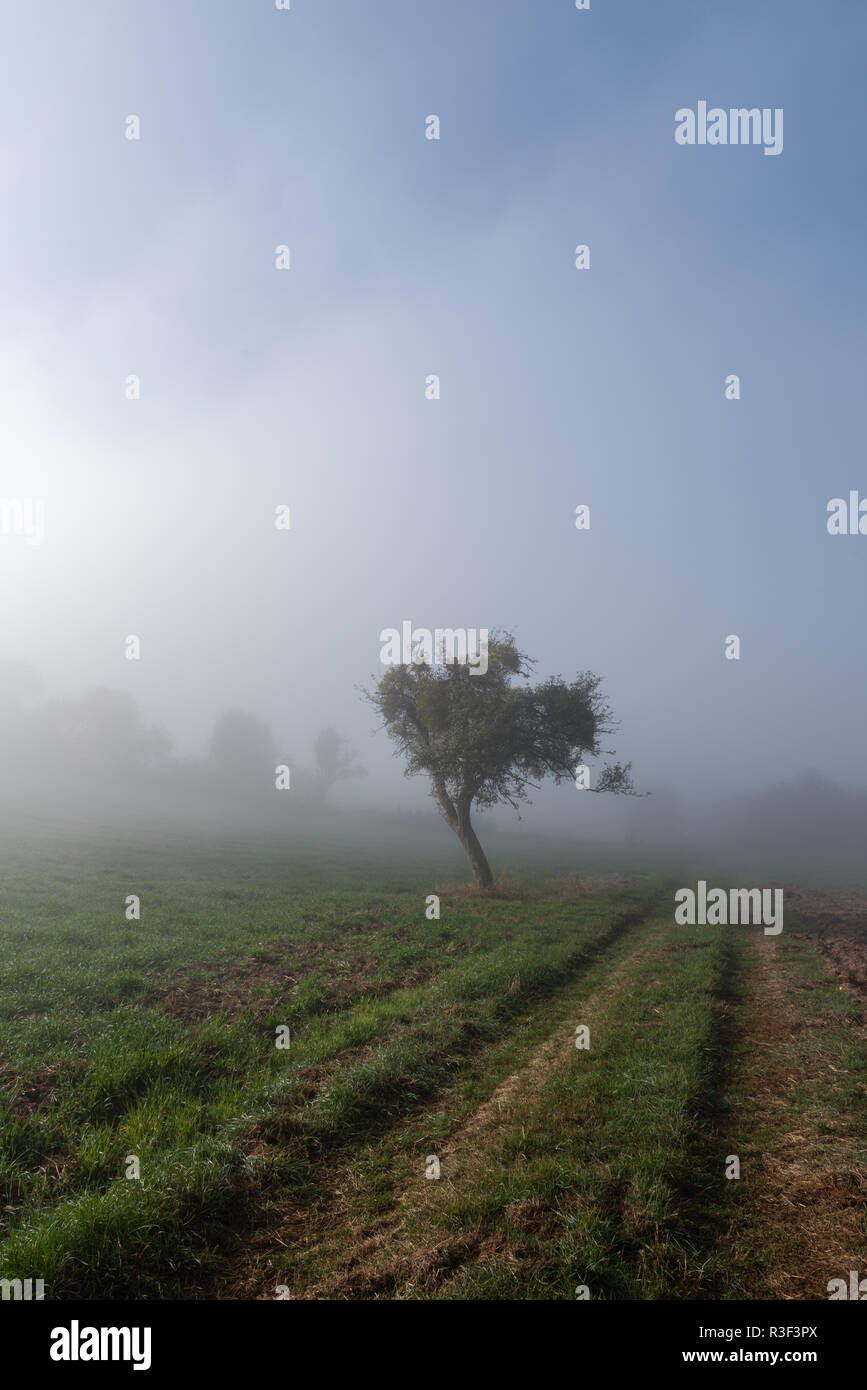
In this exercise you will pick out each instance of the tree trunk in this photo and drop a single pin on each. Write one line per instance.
(474, 852)
(457, 818)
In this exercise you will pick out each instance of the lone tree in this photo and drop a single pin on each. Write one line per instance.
(483, 740)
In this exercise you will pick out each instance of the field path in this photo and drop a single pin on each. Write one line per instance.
(516, 1088)
(373, 1259)
(365, 1256)
(801, 1197)
(784, 1099)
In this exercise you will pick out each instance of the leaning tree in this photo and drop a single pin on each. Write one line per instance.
(483, 739)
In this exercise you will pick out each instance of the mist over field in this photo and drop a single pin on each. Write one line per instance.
(329, 329)
(306, 388)
(93, 760)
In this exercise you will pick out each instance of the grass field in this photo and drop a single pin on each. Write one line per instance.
(303, 1168)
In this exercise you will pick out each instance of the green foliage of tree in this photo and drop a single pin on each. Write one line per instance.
(485, 739)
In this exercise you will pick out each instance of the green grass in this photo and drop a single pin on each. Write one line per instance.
(383, 1006)
(157, 1039)
(614, 1147)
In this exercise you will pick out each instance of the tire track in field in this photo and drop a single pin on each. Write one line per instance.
(512, 1091)
(802, 1198)
(384, 1254)
(323, 1220)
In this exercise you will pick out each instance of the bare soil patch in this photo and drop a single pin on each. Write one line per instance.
(247, 986)
(838, 920)
(39, 1092)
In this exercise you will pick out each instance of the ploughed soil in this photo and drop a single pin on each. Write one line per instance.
(838, 921)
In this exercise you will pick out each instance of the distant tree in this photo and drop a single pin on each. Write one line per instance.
(102, 729)
(335, 762)
(483, 740)
(244, 752)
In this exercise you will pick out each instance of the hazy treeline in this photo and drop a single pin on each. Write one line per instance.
(96, 753)
(97, 749)
(805, 824)
(802, 825)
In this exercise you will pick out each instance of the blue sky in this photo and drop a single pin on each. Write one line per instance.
(410, 257)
